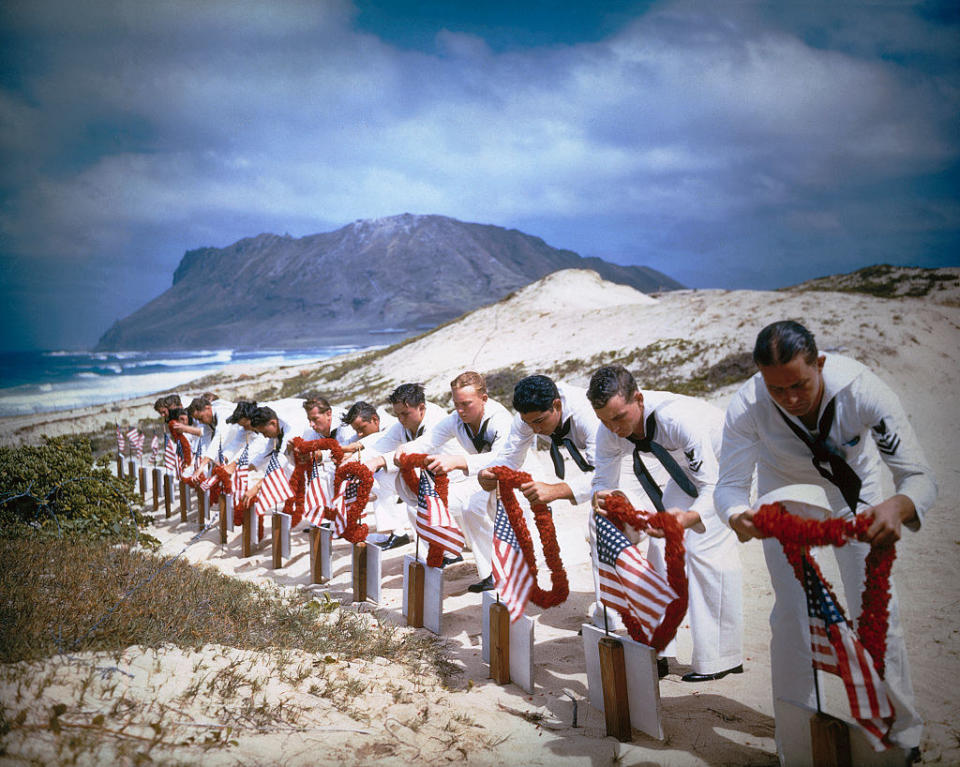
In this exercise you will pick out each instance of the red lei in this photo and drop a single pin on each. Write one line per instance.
(409, 463)
(509, 480)
(181, 438)
(303, 451)
(354, 532)
(798, 534)
(620, 512)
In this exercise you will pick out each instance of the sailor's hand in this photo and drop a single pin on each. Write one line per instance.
(487, 480)
(445, 463)
(541, 492)
(887, 519)
(600, 500)
(686, 519)
(743, 526)
(176, 427)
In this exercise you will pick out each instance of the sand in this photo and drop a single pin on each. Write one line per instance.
(910, 342)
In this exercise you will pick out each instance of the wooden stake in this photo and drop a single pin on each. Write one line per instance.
(613, 677)
(275, 530)
(360, 572)
(119, 466)
(167, 495)
(500, 643)
(830, 741)
(184, 500)
(249, 520)
(143, 484)
(415, 578)
(223, 518)
(157, 479)
(132, 469)
(203, 501)
(316, 555)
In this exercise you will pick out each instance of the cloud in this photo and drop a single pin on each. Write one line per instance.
(197, 120)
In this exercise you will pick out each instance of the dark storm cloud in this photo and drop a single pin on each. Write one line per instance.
(708, 140)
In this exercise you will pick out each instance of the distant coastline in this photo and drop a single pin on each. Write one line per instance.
(51, 381)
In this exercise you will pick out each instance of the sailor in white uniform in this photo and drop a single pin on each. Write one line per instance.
(326, 423)
(369, 424)
(415, 415)
(561, 414)
(826, 420)
(682, 435)
(478, 429)
(278, 422)
(218, 437)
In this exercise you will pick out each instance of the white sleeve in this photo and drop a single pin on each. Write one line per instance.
(606, 474)
(738, 458)
(880, 410)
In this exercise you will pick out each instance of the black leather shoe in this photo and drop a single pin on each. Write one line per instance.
(693, 677)
(452, 560)
(394, 541)
(913, 756)
(663, 668)
(485, 585)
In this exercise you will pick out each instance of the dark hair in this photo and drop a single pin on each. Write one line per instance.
(410, 394)
(174, 413)
(316, 401)
(196, 405)
(779, 342)
(262, 416)
(242, 410)
(609, 381)
(363, 410)
(534, 394)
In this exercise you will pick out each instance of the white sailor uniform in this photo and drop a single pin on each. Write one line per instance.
(869, 424)
(690, 431)
(467, 500)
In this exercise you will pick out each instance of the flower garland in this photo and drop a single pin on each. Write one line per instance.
(409, 463)
(303, 451)
(798, 534)
(620, 512)
(509, 480)
(357, 472)
(183, 442)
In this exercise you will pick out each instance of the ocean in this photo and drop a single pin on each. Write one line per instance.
(46, 381)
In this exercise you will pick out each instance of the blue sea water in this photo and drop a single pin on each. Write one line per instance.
(45, 381)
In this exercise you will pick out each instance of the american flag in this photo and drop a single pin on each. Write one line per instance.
(510, 570)
(628, 582)
(171, 456)
(346, 495)
(135, 438)
(837, 650)
(155, 450)
(121, 445)
(275, 488)
(314, 499)
(434, 523)
(240, 475)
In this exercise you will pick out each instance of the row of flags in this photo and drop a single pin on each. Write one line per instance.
(628, 582)
(134, 438)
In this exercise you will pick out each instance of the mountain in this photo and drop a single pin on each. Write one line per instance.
(401, 273)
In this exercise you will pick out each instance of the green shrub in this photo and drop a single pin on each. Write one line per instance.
(54, 489)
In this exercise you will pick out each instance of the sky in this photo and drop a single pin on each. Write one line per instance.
(727, 144)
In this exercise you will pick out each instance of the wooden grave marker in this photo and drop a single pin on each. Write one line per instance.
(432, 593)
(639, 675)
(517, 645)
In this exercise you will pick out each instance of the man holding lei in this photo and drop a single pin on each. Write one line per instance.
(661, 430)
(813, 418)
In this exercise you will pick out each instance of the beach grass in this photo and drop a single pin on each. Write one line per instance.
(76, 595)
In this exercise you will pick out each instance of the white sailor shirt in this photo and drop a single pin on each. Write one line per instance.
(869, 424)
(688, 428)
(575, 407)
(495, 426)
